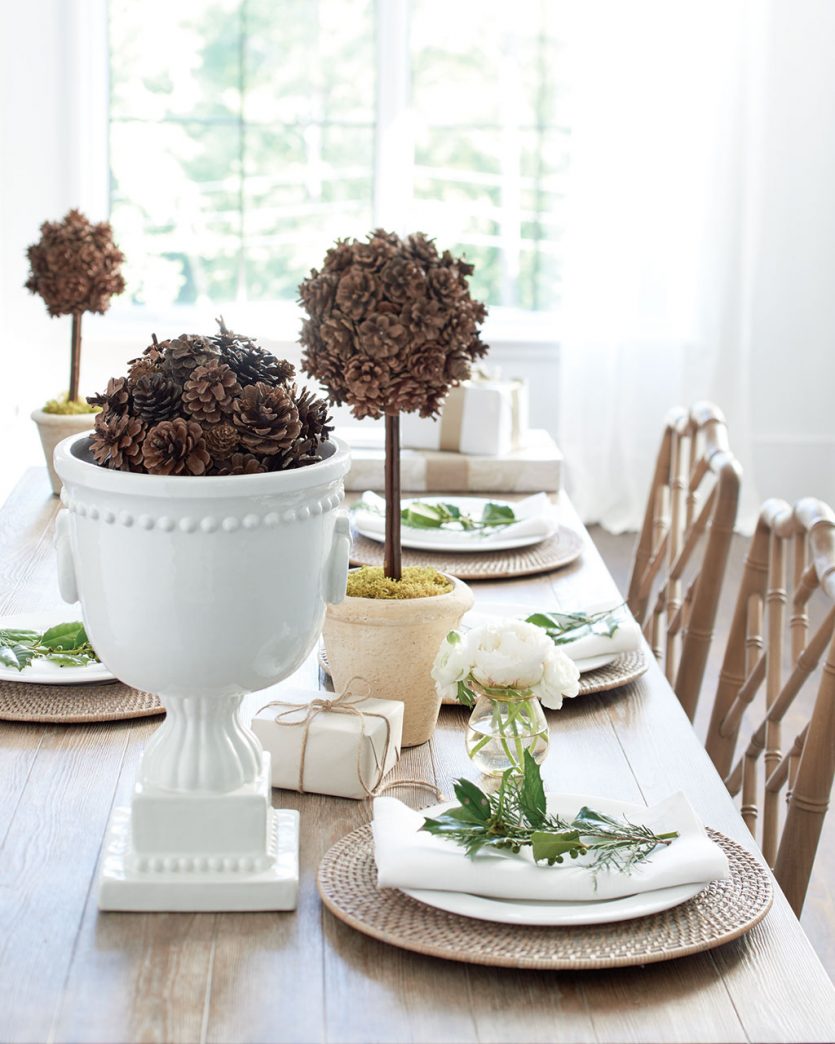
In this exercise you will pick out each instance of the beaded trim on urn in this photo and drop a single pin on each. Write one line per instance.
(208, 523)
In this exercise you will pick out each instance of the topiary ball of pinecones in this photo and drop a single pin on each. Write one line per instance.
(75, 266)
(216, 405)
(391, 326)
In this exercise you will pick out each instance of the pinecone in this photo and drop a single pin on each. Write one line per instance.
(240, 464)
(156, 398)
(382, 336)
(117, 440)
(221, 440)
(266, 418)
(176, 447)
(253, 365)
(313, 417)
(402, 279)
(185, 353)
(115, 398)
(209, 392)
(355, 292)
(150, 361)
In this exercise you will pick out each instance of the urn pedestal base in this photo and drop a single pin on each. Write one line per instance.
(121, 887)
(180, 851)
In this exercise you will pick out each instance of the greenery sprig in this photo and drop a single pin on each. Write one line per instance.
(65, 645)
(516, 817)
(422, 515)
(563, 628)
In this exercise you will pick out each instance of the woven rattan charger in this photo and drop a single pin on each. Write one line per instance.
(723, 911)
(559, 550)
(75, 704)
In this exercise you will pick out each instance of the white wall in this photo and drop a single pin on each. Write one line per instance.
(793, 294)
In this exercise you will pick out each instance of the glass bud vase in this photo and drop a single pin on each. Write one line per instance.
(501, 728)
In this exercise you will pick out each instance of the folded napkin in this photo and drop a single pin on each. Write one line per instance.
(535, 515)
(407, 858)
(626, 638)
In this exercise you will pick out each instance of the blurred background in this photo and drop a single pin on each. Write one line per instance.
(644, 188)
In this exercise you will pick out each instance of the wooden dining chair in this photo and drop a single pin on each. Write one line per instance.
(683, 545)
(769, 645)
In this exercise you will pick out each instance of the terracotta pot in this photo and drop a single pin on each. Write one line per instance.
(392, 644)
(54, 428)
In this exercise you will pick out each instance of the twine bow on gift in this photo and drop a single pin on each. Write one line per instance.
(345, 702)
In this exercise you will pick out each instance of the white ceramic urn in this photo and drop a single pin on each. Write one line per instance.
(201, 589)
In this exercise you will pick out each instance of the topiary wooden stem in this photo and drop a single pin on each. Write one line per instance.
(391, 558)
(75, 356)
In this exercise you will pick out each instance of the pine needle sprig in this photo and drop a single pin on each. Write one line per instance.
(516, 817)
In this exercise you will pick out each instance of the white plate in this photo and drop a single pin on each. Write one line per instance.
(451, 540)
(484, 612)
(562, 913)
(41, 672)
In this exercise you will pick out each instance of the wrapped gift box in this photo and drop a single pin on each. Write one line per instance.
(343, 750)
(535, 466)
(484, 416)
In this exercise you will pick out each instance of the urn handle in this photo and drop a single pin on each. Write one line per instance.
(336, 571)
(66, 566)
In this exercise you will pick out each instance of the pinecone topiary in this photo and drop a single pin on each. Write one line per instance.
(156, 398)
(185, 353)
(117, 440)
(254, 365)
(209, 392)
(221, 440)
(401, 329)
(240, 464)
(115, 398)
(176, 447)
(75, 266)
(266, 418)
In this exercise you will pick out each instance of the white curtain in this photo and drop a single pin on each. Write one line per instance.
(676, 262)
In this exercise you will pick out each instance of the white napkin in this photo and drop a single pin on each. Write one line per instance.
(625, 639)
(407, 858)
(535, 515)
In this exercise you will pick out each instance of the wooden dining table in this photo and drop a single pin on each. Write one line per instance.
(71, 973)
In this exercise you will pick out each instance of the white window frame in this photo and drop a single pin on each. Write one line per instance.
(88, 63)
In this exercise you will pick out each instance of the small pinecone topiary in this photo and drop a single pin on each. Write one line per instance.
(266, 418)
(176, 447)
(209, 392)
(221, 440)
(240, 464)
(254, 365)
(156, 398)
(185, 353)
(115, 398)
(117, 441)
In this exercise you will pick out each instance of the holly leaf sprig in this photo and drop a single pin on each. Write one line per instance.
(65, 645)
(422, 515)
(563, 628)
(516, 817)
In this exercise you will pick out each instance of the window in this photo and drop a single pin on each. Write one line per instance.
(246, 135)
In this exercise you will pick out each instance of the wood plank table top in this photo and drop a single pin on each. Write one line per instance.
(71, 973)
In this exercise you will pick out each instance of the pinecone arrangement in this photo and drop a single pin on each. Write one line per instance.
(217, 405)
(392, 324)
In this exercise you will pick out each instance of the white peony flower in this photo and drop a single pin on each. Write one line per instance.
(452, 665)
(508, 654)
(561, 678)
